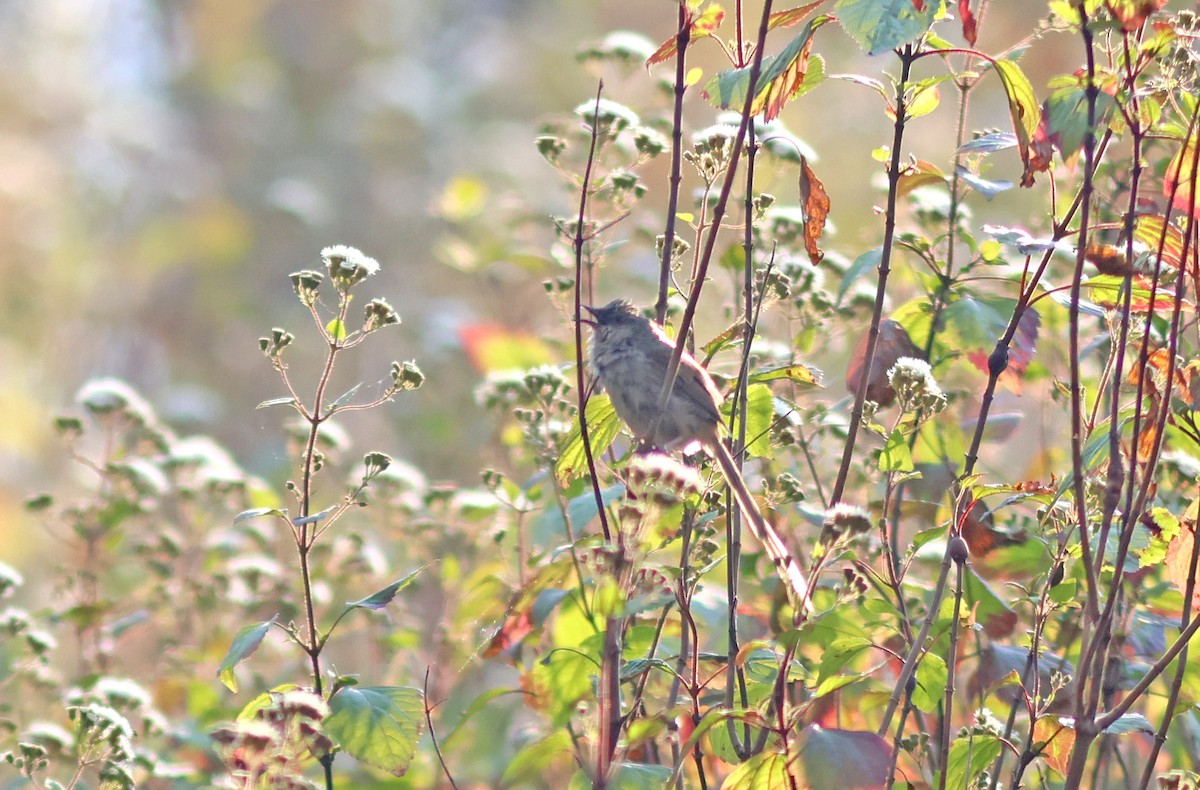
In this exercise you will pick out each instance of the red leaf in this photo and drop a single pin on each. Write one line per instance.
(792, 17)
(1132, 14)
(815, 201)
(919, 5)
(518, 626)
(1150, 229)
(1020, 353)
(699, 27)
(779, 90)
(492, 347)
(969, 25)
(1040, 150)
(1180, 179)
(1179, 560)
(893, 343)
(1057, 741)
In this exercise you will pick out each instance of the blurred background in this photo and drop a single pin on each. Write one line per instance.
(165, 165)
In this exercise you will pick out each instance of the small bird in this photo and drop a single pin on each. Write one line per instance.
(630, 357)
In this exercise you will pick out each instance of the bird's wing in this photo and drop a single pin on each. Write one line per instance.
(692, 383)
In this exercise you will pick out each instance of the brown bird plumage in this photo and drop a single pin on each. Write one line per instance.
(631, 356)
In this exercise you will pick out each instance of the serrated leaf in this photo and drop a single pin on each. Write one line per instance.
(1132, 14)
(603, 427)
(895, 455)
(1022, 107)
(760, 413)
(881, 25)
(792, 16)
(382, 598)
(699, 26)
(969, 757)
(1150, 229)
(288, 401)
(931, 683)
(244, 644)
(763, 771)
(1180, 177)
(781, 77)
(377, 725)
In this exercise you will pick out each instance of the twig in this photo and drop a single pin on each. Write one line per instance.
(432, 733)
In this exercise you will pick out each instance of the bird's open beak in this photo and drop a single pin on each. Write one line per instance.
(588, 321)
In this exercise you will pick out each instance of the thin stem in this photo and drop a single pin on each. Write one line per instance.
(433, 733)
(580, 378)
(664, 275)
(710, 240)
(885, 263)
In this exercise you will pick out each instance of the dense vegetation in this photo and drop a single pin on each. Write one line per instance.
(992, 485)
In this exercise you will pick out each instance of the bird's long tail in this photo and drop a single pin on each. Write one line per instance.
(785, 564)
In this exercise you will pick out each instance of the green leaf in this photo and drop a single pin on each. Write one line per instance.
(529, 765)
(782, 77)
(760, 413)
(263, 701)
(1022, 104)
(1129, 722)
(567, 677)
(1166, 530)
(549, 526)
(336, 329)
(880, 25)
(976, 323)
(378, 600)
(840, 652)
(377, 725)
(895, 456)
(801, 374)
(730, 335)
(970, 757)
(1067, 115)
(478, 704)
(925, 101)
(244, 644)
(626, 776)
(603, 427)
(931, 683)
(862, 264)
(763, 771)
